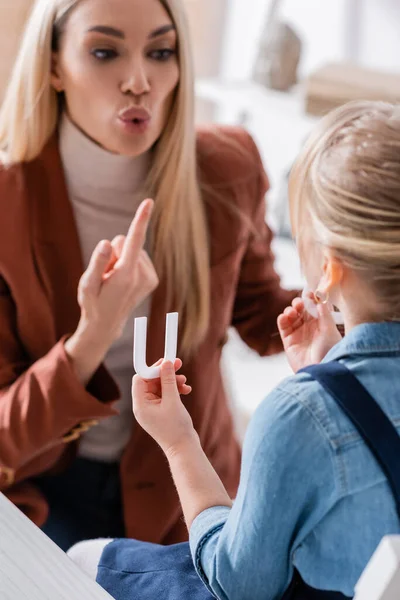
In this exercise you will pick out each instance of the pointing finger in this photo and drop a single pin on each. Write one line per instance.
(136, 235)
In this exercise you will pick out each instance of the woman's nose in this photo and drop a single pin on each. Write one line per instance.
(136, 81)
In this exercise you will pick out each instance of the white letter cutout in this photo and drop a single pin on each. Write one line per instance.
(140, 342)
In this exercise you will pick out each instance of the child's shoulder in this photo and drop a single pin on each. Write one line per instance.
(299, 404)
(289, 432)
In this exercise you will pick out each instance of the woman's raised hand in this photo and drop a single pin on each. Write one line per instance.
(119, 277)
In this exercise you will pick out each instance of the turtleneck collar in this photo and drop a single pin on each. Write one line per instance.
(93, 172)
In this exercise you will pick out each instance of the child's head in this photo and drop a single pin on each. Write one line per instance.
(345, 207)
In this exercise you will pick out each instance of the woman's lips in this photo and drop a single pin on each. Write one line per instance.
(135, 125)
(134, 120)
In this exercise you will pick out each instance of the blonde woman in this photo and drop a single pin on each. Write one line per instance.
(99, 115)
(320, 479)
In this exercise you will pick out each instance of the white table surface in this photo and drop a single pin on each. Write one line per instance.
(32, 567)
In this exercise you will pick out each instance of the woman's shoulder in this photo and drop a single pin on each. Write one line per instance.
(7, 170)
(16, 196)
(14, 222)
(12, 185)
(228, 154)
(19, 179)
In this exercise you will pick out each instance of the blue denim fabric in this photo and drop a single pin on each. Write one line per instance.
(311, 496)
(130, 569)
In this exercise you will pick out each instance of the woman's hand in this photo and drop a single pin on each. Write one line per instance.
(158, 408)
(307, 340)
(119, 277)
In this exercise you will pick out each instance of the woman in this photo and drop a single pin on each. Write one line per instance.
(320, 480)
(98, 115)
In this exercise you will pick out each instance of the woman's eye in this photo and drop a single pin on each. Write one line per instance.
(162, 55)
(103, 54)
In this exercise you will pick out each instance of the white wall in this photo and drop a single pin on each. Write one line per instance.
(380, 34)
(207, 21)
(365, 30)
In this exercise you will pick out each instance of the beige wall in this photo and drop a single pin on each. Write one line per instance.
(12, 18)
(207, 19)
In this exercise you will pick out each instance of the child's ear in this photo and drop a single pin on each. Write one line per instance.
(332, 274)
(55, 73)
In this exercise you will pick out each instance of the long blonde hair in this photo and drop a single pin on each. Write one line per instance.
(346, 183)
(29, 117)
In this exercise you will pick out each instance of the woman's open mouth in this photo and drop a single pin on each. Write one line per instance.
(135, 120)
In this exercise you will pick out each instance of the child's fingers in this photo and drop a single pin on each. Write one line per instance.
(184, 390)
(298, 306)
(153, 382)
(154, 385)
(289, 321)
(140, 391)
(168, 380)
(177, 363)
(284, 325)
(295, 318)
(291, 313)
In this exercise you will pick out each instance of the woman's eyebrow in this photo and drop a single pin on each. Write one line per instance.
(162, 30)
(108, 31)
(112, 31)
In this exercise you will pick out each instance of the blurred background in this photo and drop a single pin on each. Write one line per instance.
(274, 67)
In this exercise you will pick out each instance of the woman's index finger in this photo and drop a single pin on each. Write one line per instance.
(136, 235)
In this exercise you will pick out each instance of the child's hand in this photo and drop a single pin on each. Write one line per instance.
(158, 408)
(307, 340)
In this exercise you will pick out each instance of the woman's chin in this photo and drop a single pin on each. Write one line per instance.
(129, 147)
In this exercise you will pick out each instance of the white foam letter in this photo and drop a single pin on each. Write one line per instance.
(140, 342)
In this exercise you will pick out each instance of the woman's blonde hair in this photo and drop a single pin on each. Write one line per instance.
(29, 117)
(346, 184)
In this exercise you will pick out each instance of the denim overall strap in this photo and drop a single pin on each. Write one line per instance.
(374, 426)
(378, 433)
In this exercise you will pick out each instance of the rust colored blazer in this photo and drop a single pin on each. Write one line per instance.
(43, 406)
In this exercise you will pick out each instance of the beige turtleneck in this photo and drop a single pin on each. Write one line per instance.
(105, 192)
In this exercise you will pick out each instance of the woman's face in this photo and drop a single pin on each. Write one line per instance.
(117, 65)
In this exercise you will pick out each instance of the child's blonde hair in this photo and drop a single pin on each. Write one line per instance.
(346, 184)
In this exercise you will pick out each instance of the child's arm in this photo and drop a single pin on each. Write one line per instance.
(287, 484)
(198, 485)
(159, 410)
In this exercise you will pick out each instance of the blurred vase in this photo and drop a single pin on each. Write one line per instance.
(279, 53)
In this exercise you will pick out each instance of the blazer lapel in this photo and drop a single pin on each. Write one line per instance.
(56, 244)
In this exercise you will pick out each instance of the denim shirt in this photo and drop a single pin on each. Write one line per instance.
(312, 496)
